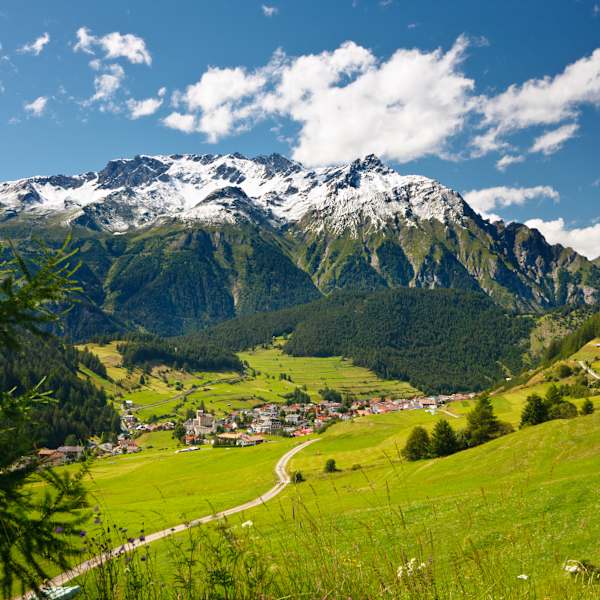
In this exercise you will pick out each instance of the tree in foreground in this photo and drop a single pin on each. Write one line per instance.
(534, 412)
(36, 530)
(587, 408)
(418, 444)
(443, 439)
(482, 423)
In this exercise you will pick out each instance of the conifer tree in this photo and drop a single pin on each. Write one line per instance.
(534, 412)
(418, 444)
(443, 439)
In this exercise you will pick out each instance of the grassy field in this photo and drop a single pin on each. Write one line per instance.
(523, 504)
(495, 521)
(223, 392)
(157, 488)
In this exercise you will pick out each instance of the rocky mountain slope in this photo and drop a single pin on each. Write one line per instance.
(204, 237)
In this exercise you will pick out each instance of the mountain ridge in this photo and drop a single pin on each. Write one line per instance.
(207, 237)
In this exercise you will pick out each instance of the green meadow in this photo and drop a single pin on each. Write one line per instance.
(496, 521)
(223, 392)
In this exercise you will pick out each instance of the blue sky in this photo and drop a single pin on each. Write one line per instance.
(499, 100)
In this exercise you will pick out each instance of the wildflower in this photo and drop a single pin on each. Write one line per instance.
(523, 577)
(82, 533)
(143, 558)
(97, 521)
(572, 566)
(142, 538)
(247, 524)
(59, 529)
(130, 540)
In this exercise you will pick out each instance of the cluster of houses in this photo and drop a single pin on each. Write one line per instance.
(67, 454)
(246, 427)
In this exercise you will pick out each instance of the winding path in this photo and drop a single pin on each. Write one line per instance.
(589, 370)
(283, 480)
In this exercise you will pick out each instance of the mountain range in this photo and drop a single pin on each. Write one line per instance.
(173, 243)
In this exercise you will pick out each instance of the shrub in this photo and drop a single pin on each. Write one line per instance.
(564, 371)
(418, 445)
(587, 408)
(562, 410)
(297, 477)
(330, 466)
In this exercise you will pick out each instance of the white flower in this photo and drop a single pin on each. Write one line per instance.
(523, 576)
(247, 524)
(572, 566)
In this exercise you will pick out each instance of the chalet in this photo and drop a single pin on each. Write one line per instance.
(51, 457)
(71, 452)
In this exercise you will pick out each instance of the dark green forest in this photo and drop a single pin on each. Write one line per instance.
(439, 340)
(182, 354)
(78, 408)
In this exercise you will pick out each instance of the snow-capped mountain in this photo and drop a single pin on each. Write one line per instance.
(206, 237)
(219, 189)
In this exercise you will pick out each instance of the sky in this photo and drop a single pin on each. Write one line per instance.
(498, 100)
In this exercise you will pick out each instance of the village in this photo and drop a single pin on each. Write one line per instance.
(246, 427)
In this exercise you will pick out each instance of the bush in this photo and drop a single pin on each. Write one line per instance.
(562, 410)
(418, 445)
(587, 408)
(297, 477)
(330, 466)
(564, 371)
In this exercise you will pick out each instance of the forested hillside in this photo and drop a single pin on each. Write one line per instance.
(568, 345)
(439, 340)
(145, 351)
(78, 408)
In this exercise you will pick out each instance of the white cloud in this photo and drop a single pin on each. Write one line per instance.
(106, 85)
(37, 107)
(552, 141)
(585, 240)
(36, 46)
(180, 122)
(505, 161)
(269, 11)
(347, 102)
(115, 45)
(488, 199)
(545, 101)
(144, 108)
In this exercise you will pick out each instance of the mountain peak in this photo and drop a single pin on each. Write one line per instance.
(140, 191)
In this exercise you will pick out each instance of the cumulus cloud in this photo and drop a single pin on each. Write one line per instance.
(552, 141)
(488, 199)
(347, 102)
(114, 45)
(546, 101)
(505, 161)
(36, 46)
(144, 108)
(106, 85)
(269, 11)
(180, 122)
(37, 107)
(585, 240)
